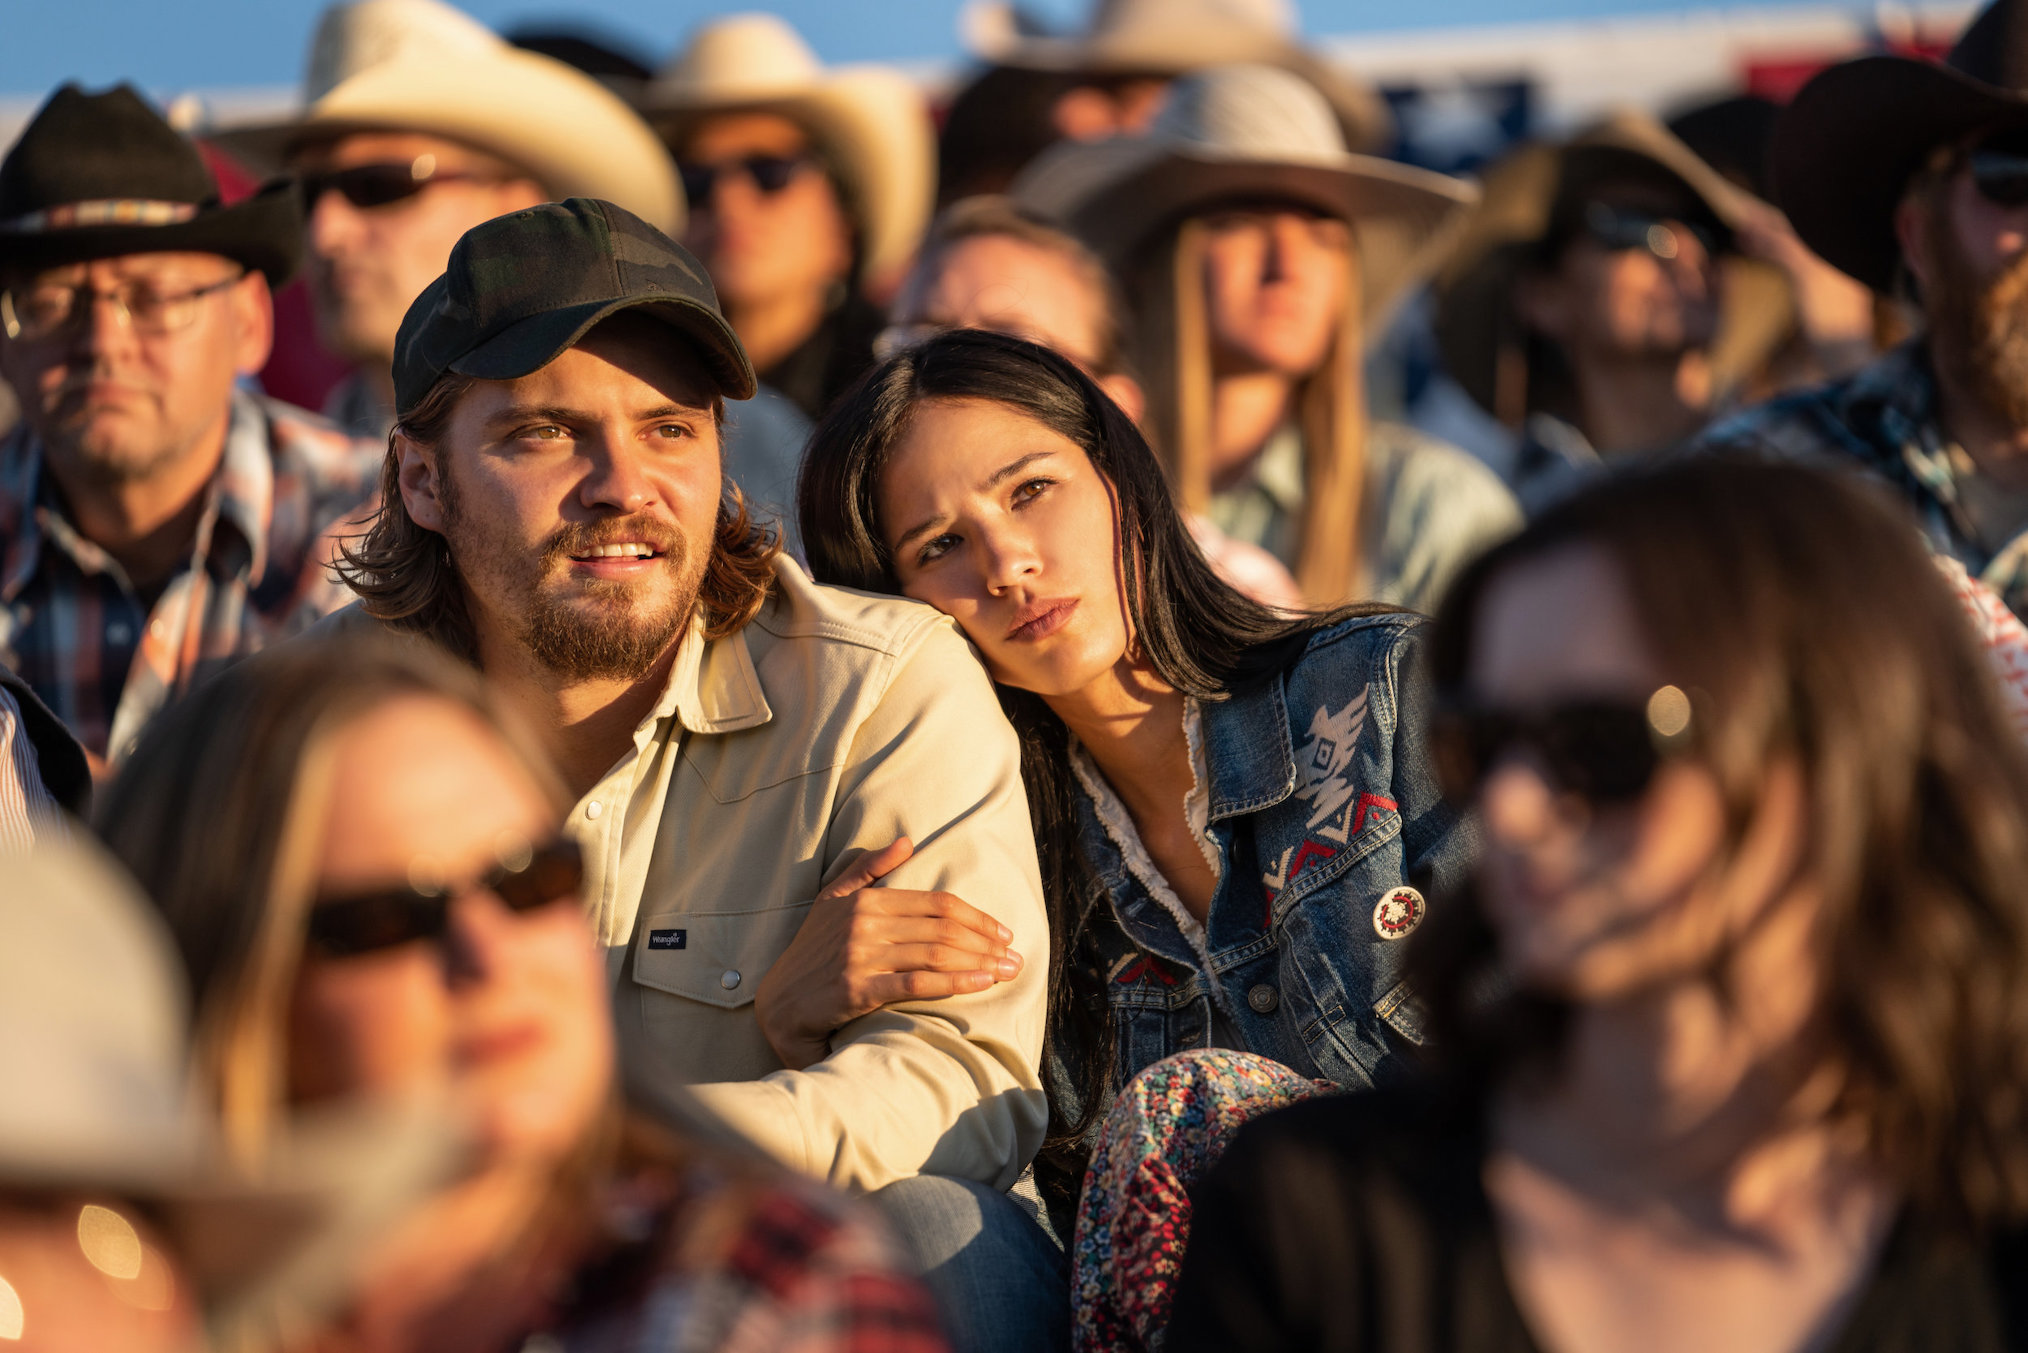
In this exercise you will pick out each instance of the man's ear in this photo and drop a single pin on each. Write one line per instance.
(253, 316)
(417, 475)
(1913, 222)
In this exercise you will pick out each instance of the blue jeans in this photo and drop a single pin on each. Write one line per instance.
(1001, 1284)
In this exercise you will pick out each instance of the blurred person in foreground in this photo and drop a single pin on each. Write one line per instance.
(808, 191)
(735, 739)
(124, 1223)
(1734, 1013)
(987, 264)
(1603, 302)
(360, 855)
(1912, 176)
(418, 122)
(156, 520)
(1233, 806)
(1258, 254)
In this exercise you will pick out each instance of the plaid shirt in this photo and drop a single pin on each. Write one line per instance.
(1885, 418)
(85, 640)
(717, 1256)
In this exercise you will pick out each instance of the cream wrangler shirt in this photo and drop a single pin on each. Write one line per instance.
(833, 723)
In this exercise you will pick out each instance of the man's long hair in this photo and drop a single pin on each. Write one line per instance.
(405, 576)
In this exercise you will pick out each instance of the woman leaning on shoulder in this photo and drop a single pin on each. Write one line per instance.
(1735, 1009)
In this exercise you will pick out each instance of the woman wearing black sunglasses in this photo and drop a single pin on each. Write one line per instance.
(357, 851)
(1735, 1010)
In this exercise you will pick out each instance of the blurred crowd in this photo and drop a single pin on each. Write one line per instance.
(865, 728)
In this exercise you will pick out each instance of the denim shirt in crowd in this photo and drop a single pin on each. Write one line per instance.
(1322, 808)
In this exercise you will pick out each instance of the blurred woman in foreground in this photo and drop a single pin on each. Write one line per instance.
(359, 855)
(1737, 1005)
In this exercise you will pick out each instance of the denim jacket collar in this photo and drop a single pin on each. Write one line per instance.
(1247, 743)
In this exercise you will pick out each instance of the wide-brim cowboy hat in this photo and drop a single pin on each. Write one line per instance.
(868, 121)
(1250, 134)
(1168, 38)
(1847, 146)
(1477, 328)
(100, 175)
(94, 1054)
(420, 66)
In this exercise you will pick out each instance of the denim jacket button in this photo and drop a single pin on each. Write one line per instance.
(1398, 911)
(1263, 999)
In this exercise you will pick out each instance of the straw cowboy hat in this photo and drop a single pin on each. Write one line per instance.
(1174, 37)
(1846, 147)
(421, 66)
(1477, 328)
(99, 175)
(1250, 133)
(94, 1055)
(869, 120)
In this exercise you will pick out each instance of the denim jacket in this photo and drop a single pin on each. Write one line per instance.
(1322, 813)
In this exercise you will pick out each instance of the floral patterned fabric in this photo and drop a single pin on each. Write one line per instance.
(1169, 1126)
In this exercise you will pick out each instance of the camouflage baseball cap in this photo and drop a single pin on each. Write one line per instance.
(523, 288)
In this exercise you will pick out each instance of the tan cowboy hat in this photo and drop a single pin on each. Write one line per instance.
(95, 1057)
(1250, 133)
(869, 120)
(1175, 37)
(421, 66)
(1476, 327)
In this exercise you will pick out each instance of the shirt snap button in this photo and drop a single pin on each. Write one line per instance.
(593, 809)
(1263, 999)
(729, 979)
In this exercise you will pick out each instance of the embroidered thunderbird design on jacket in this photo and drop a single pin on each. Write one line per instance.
(1324, 761)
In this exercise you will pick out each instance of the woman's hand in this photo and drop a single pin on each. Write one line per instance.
(863, 947)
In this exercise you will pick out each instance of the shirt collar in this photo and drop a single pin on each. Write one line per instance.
(1247, 746)
(242, 492)
(713, 685)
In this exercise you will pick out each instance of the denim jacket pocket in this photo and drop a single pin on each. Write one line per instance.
(1403, 1012)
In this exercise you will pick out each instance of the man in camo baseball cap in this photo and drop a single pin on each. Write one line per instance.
(523, 288)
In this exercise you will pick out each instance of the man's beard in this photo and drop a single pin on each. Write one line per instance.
(1979, 325)
(608, 639)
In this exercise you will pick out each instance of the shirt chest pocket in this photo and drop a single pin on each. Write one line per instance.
(714, 958)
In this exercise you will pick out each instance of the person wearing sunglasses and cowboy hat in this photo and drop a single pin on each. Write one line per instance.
(1912, 177)
(155, 519)
(1259, 254)
(808, 190)
(419, 122)
(1600, 303)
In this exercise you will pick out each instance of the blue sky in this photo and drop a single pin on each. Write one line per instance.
(168, 45)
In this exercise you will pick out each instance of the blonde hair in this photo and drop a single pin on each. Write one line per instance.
(1175, 364)
(220, 815)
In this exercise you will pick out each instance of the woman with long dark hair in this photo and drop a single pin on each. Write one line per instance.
(1735, 1008)
(1234, 829)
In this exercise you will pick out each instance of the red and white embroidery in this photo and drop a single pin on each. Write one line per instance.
(1397, 913)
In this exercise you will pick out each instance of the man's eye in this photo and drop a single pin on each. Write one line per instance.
(674, 431)
(546, 432)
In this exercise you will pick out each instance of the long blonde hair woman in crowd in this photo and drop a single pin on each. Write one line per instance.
(359, 854)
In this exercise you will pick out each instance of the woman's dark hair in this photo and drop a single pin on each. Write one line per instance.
(1804, 615)
(1196, 632)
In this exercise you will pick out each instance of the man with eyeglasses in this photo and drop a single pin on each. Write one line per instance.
(1913, 178)
(156, 520)
(418, 123)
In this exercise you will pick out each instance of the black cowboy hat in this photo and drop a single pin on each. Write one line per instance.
(98, 175)
(1845, 150)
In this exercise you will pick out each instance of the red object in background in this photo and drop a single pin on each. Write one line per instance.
(299, 370)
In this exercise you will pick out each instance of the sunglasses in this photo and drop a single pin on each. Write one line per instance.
(361, 923)
(1603, 750)
(1618, 229)
(769, 173)
(378, 185)
(2001, 176)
